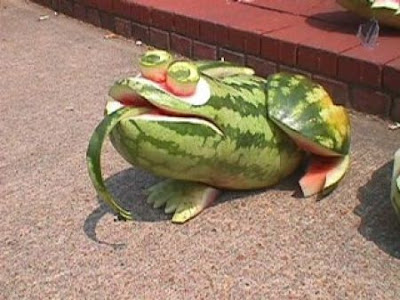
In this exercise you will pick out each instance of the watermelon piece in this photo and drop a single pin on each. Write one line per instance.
(304, 110)
(154, 64)
(182, 78)
(388, 4)
(222, 69)
(93, 155)
(126, 97)
(308, 144)
(196, 202)
(323, 175)
(395, 186)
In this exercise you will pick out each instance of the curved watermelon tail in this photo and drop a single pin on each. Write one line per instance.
(395, 184)
(93, 155)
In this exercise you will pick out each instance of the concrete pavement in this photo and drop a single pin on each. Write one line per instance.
(58, 242)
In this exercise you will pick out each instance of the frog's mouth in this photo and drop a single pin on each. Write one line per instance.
(138, 92)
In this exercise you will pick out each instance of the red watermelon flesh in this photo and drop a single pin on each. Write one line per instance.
(323, 174)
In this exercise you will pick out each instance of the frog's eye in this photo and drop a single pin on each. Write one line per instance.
(182, 78)
(154, 64)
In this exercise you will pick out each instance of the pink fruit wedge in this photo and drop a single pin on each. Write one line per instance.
(323, 174)
(154, 64)
(182, 78)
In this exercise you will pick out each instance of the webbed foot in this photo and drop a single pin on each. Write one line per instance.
(183, 198)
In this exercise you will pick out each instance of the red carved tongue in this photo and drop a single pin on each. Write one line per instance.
(137, 101)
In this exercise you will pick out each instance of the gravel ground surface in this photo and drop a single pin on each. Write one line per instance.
(58, 241)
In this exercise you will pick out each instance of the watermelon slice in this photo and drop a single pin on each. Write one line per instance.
(395, 188)
(307, 143)
(182, 78)
(154, 64)
(323, 175)
(93, 155)
(389, 4)
(222, 69)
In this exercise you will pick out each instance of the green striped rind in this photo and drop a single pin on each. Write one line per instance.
(396, 198)
(195, 152)
(183, 71)
(230, 101)
(395, 184)
(387, 15)
(337, 175)
(387, 4)
(154, 64)
(155, 58)
(182, 78)
(303, 106)
(248, 155)
(93, 155)
(222, 69)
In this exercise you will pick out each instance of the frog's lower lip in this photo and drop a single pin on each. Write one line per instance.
(157, 114)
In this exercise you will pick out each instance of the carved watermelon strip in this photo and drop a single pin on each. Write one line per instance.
(395, 188)
(222, 69)
(93, 156)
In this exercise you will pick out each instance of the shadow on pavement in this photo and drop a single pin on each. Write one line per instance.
(379, 222)
(346, 23)
(128, 188)
(91, 222)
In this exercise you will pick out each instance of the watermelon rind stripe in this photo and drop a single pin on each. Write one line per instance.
(93, 155)
(222, 69)
(303, 106)
(395, 184)
(222, 109)
(162, 148)
(338, 174)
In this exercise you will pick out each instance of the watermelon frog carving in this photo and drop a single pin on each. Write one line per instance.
(385, 11)
(230, 130)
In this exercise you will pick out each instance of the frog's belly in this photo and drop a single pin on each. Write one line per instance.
(196, 152)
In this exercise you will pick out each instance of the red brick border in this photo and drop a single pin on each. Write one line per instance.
(352, 76)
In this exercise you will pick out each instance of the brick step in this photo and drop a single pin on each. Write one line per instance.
(313, 37)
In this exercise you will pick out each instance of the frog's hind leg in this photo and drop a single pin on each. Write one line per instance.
(183, 198)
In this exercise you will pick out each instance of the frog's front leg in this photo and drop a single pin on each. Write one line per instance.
(187, 199)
